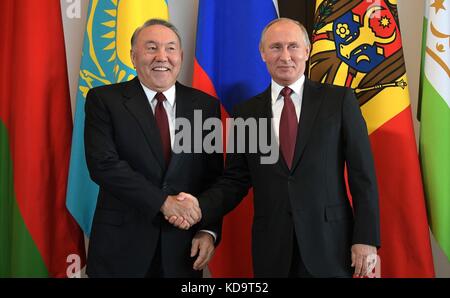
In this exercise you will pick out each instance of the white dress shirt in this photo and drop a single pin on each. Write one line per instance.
(170, 107)
(278, 102)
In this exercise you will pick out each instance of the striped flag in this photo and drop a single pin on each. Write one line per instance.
(435, 119)
(38, 236)
(358, 44)
(228, 66)
(106, 60)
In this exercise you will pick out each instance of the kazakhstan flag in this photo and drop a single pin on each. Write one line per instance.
(105, 60)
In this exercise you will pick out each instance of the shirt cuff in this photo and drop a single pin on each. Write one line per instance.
(214, 235)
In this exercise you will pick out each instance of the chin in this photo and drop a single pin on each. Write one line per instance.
(286, 80)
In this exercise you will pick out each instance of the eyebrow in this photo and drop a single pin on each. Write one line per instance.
(169, 43)
(279, 43)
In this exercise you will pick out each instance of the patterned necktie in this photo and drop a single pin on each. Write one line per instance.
(288, 127)
(163, 125)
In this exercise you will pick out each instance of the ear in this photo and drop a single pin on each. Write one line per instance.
(307, 52)
(263, 55)
(133, 57)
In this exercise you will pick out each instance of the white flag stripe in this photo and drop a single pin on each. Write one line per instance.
(437, 60)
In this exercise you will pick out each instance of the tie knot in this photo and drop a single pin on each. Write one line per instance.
(286, 91)
(160, 97)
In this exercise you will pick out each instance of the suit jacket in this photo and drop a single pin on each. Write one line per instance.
(125, 158)
(309, 200)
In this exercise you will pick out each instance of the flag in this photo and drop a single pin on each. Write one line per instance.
(38, 236)
(105, 60)
(301, 11)
(228, 66)
(434, 141)
(358, 44)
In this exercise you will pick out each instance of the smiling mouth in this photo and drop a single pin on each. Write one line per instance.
(160, 68)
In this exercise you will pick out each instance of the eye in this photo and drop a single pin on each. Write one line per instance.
(275, 47)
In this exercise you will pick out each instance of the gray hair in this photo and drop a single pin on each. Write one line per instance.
(305, 32)
(152, 22)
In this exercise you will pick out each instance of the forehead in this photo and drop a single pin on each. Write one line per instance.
(284, 31)
(157, 33)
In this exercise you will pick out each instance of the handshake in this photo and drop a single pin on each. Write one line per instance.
(182, 210)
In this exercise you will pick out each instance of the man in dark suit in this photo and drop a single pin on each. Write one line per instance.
(129, 137)
(303, 224)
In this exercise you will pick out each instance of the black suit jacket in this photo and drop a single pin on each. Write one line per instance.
(125, 158)
(309, 200)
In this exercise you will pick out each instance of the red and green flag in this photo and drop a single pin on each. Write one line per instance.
(38, 236)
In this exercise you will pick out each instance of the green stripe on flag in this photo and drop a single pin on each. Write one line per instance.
(19, 256)
(435, 159)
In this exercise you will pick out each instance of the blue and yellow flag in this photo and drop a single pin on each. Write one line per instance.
(105, 60)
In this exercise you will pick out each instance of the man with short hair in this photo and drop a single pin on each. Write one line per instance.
(129, 136)
(303, 224)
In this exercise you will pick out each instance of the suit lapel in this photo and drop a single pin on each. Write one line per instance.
(139, 106)
(184, 109)
(266, 112)
(312, 98)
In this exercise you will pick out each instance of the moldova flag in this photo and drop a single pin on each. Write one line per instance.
(228, 66)
(358, 44)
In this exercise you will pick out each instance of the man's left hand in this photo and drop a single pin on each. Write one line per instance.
(363, 258)
(203, 245)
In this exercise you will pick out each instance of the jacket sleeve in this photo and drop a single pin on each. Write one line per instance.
(229, 189)
(105, 166)
(361, 173)
(214, 162)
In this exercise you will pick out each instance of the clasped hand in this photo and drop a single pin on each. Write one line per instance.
(182, 210)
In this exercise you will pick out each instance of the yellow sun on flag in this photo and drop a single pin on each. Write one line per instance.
(123, 18)
(385, 22)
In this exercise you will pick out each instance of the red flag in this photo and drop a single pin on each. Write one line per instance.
(38, 237)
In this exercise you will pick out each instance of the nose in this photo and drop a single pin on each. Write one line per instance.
(285, 55)
(161, 55)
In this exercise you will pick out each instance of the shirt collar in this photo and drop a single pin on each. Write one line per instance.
(297, 88)
(169, 94)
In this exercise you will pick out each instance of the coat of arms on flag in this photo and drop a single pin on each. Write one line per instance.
(360, 46)
(357, 44)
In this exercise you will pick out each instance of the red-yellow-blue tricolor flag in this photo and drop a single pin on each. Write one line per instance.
(358, 44)
(228, 66)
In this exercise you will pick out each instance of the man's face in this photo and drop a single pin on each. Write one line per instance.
(157, 57)
(284, 51)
